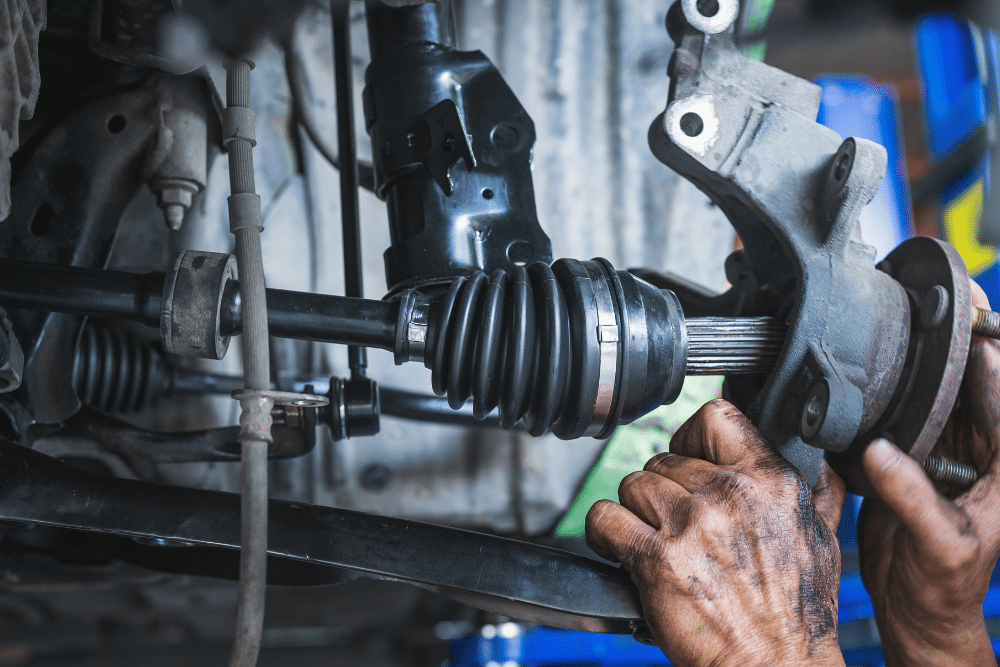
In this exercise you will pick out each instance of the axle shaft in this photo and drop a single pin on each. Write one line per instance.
(733, 346)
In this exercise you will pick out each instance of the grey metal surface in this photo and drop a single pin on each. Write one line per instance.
(20, 23)
(746, 134)
(592, 76)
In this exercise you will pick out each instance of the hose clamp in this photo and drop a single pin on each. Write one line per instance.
(411, 328)
(609, 340)
(255, 420)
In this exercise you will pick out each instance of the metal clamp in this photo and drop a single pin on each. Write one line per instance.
(255, 420)
(608, 339)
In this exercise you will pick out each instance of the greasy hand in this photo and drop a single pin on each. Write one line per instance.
(926, 559)
(734, 556)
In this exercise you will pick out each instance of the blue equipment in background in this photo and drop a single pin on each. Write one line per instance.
(958, 63)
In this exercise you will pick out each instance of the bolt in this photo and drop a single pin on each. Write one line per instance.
(934, 307)
(174, 196)
(843, 162)
(953, 473)
(986, 323)
(814, 411)
(708, 8)
(173, 214)
(448, 144)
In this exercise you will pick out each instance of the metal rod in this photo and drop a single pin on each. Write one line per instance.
(246, 223)
(733, 346)
(117, 295)
(340, 11)
(319, 317)
(56, 288)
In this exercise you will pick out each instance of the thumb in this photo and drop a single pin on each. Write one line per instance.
(902, 485)
(829, 496)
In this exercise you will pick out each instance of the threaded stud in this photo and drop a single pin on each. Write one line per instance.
(953, 473)
(986, 323)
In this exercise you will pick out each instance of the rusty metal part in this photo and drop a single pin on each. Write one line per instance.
(257, 404)
(953, 473)
(191, 306)
(986, 323)
(745, 134)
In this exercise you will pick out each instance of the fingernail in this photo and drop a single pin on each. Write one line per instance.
(880, 451)
(882, 443)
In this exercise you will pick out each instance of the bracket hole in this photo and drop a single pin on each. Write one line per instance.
(42, 221)
(842, 168)
(448, 144)
(116, 123)
(487, 194)
(520, 252)
(708, 8)
(692, 124)
(814, 410)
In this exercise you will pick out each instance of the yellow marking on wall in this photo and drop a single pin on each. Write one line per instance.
(961, 228)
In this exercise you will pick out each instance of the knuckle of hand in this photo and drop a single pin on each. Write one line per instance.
(708, 516)
(595, 517)
(640, 549)
(738, 484)
(960, 555)
(632, 487)
(661, 462)
(712, 411)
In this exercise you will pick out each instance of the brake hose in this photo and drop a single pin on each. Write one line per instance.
(246, 223)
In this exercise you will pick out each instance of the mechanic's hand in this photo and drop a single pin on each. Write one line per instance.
(926, 560)
(735, 558)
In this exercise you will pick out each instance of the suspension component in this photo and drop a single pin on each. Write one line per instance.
(576, 348)
(115, 372)
(734, 346)
(451, 149)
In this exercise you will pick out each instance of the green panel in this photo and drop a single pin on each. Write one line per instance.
(758, 13)
(631, 446)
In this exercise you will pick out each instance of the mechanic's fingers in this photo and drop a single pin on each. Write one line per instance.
(876, 526)
(692, 474)
(979, 298)
(721, 434)
(651, 497)
(902, 485)
(617, 535)
(828, 494)
(979, 441)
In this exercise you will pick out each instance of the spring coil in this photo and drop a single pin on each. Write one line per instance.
(504, 341)
(117, 372)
